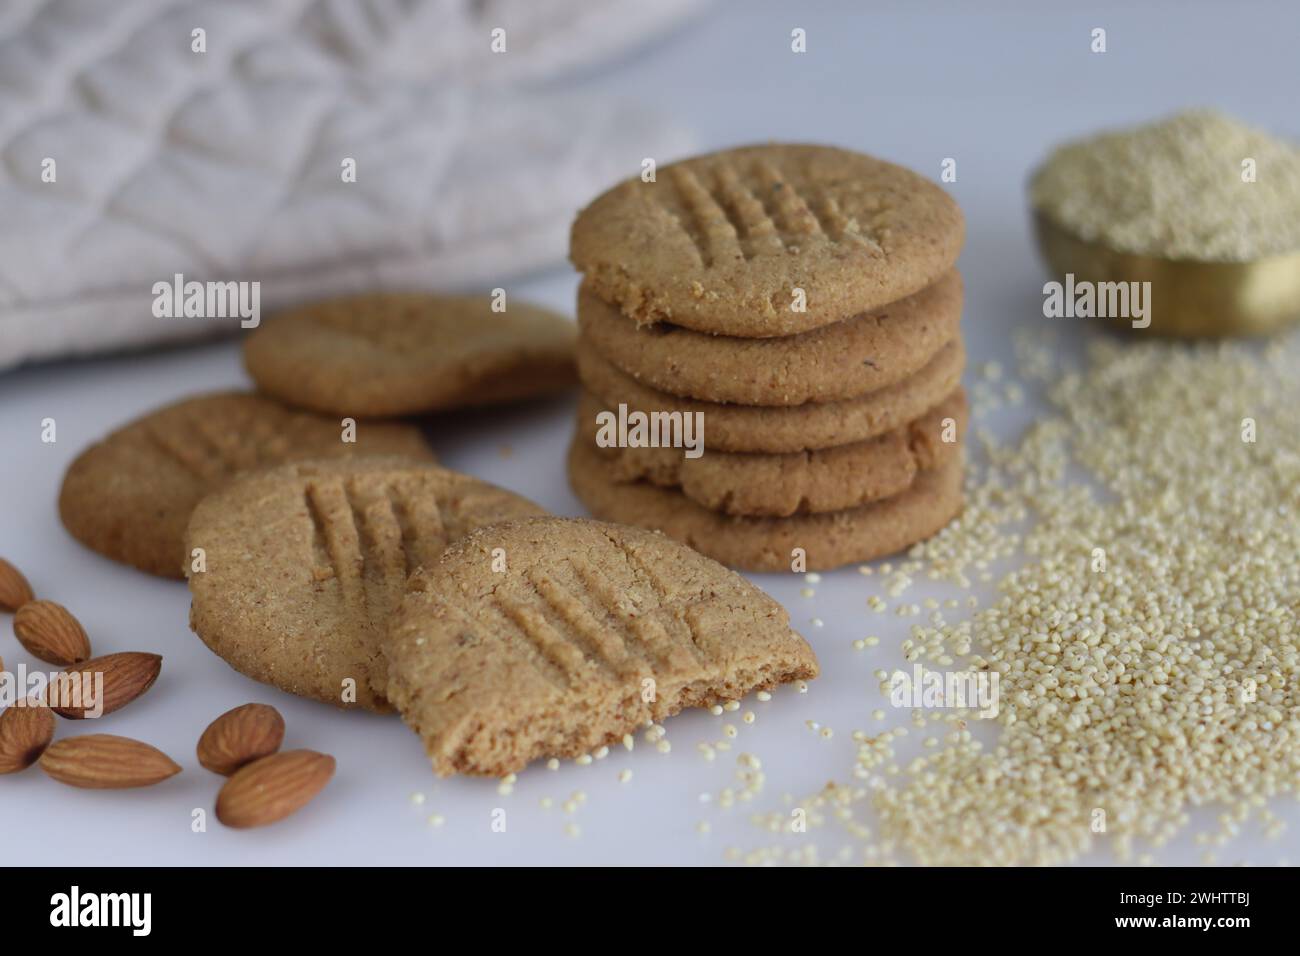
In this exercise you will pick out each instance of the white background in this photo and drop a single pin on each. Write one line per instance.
(913, 83)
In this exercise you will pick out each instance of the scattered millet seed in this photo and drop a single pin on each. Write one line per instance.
(602, 753)
(859, 644)
(572, 830)
(748, 717)
(663, 747)
(584, 760)
(729, 730)
(871, 641)
(764, 696)
(827, 733)
(417, 798)
(1160, 681)
(553, 764)
(704, 827)
(546, 803)
(818, 622)
(716, 710)
(801, 686)
(624, 776)
(812, 577)
(731, 706)
(808, 592)
(628, 741)
(437, 820)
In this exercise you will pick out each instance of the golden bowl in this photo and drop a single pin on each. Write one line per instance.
(1189, 298)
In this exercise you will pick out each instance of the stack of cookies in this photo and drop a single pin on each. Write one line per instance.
(771, 356)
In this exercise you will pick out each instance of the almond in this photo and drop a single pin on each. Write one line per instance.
(50, 632)
(14, 589)
(126, 676)
(270, 789)
(106, 762)
(240, 736)
(25, 731)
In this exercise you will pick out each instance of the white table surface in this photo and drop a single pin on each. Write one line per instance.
(914, 83)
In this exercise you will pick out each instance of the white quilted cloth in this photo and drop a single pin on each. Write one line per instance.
(225, 165)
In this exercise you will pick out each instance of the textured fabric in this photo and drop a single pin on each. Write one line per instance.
(226, 165)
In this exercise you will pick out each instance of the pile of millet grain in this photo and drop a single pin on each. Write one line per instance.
(1147, 646)
(1198, 185)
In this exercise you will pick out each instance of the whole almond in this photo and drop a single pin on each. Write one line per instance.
(14, 589)
(241, 736)
(25, 731)
(126, 676)
(106, 762)
(272, 788)
(50, 632)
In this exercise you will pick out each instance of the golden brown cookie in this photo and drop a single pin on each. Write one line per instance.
(555, 636)
(768, 544)
(409, 353)
(807, 482)
(305, 563)
(725, 242)
(129, 496)
(843, 360)
(746, 428)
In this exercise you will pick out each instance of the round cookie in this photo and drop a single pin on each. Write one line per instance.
(409, 353)
(305, 563)
(130, 495)
(720, 243)
(811, 482)
(843, 360)
(551, 654)
(828, 540)
(747, 428)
